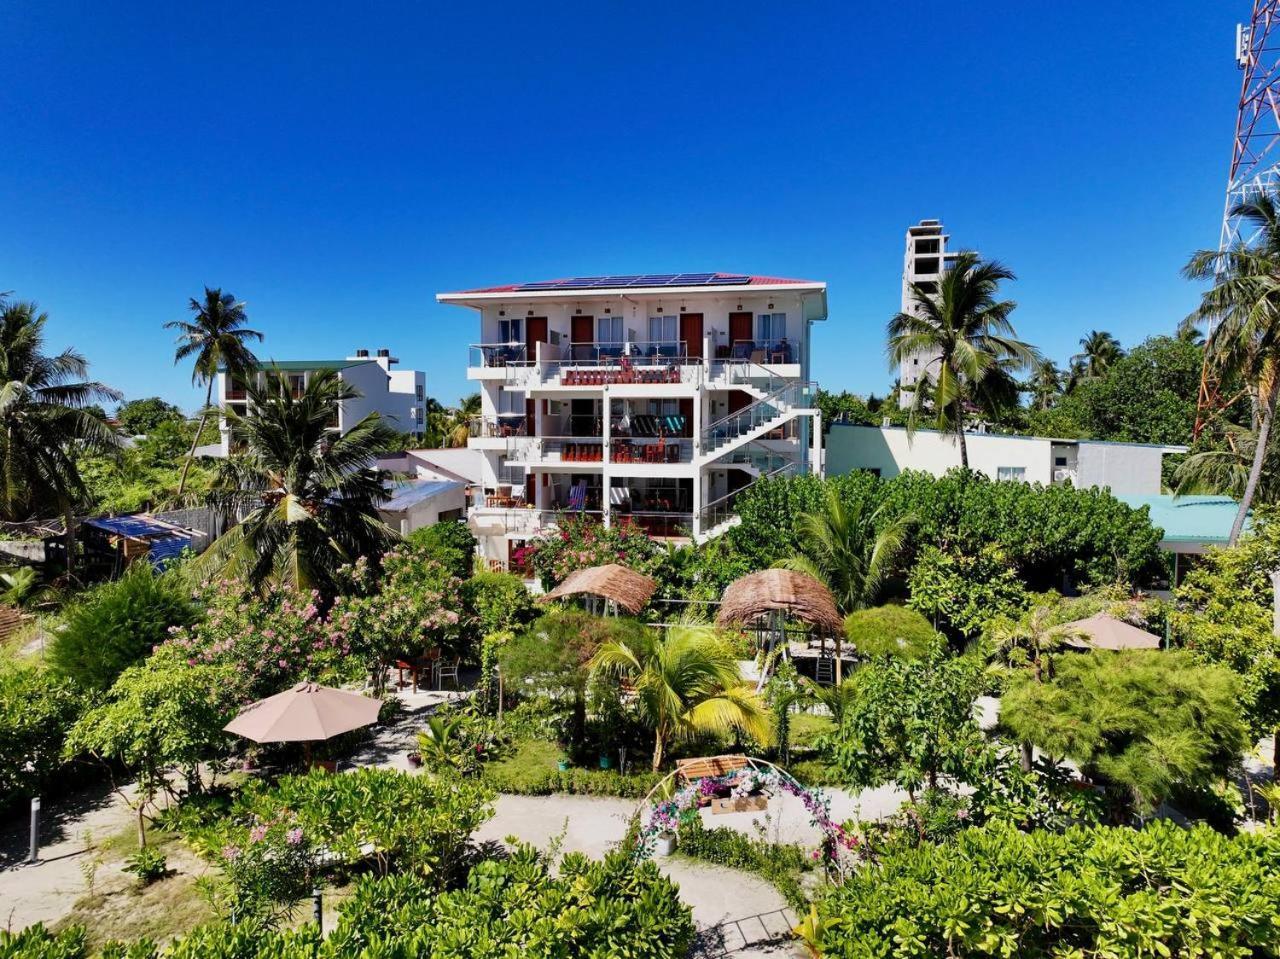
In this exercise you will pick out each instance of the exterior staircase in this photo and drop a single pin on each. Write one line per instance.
(756, 420)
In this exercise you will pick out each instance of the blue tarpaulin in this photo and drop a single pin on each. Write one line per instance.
(166, 540)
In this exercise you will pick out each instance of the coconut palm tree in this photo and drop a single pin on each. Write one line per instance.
(46, 418)
(850, 547)
(1225, 471)
(1045, 384)
(311, 494)
(974, 354)
(1242, 311)
(458, 424)
(1098, 351)
(687, 684)
(217, 338)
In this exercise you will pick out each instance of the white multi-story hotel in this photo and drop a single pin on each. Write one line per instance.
(652, 400)
(399, 396)
(925, 260)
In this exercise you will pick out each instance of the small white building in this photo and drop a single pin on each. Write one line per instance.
(1129, 468)
(399, 396)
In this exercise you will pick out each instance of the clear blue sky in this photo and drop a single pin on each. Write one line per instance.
(336, 165)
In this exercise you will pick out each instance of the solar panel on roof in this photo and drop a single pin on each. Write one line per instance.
(642, 280)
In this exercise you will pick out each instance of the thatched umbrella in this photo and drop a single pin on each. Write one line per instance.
(618, 584)
(773, 593)
(1103, 631)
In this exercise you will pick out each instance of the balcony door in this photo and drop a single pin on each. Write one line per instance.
(739, 329)
(535, 332)
(582, 334)
(691, 333)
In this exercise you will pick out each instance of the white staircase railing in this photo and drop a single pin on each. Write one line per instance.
(759, 417)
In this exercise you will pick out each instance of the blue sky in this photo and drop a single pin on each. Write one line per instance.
(336, 165)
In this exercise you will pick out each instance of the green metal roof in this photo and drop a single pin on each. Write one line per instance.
(1188, 519)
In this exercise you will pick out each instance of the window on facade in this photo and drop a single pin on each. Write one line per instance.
(509, 331)
(609, 329)
(664, 329)
(773, 327)
(1018, 473)
(510, 401)
(418, 392)
(1059, 461)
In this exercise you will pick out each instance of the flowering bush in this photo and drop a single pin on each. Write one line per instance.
(270, 865)
(274, 640)
(581, 543)
(411, 607)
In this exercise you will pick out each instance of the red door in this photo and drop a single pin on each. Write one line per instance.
(582, 333)
(738, 400)
(691, 333)
(739, 329)
(535, 332)
(528, 417)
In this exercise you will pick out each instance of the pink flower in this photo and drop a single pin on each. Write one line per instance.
(293, 837)
(284, 664)
(230, 852)
(257, 834)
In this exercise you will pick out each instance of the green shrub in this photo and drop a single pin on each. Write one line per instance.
(519, 906)
(148, 864)
(37, 710)
(965, 592)
(890, 631)
(780, 865)
(399, 821)
(1090, 891)
(1144, 722)
(117, 624)
(448, 543)
(496, 602)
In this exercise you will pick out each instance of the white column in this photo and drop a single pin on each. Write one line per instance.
(606, 429)
(816, 465)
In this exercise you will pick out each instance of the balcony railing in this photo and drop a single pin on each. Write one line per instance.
(498, 427)
(499, 354)
(758, 414)
(725, 508)
(659, 451)
(770, 352)
(573, 449)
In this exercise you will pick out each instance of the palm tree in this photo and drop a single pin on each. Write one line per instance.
(1225, 471)
(687, 684)
(1045, 384)
(974, 354)
(1098, 351)
(46, 418)
(311, 494)
(217, 338)
(1242, 311)
(850, 547)
(458, 424)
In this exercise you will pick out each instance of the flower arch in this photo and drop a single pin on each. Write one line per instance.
(758, 776)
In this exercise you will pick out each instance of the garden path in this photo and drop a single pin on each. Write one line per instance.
(47, 890)
(592, 825)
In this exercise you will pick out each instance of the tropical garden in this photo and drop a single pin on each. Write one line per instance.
(1044, 796)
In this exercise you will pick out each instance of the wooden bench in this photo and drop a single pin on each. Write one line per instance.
(705, 767)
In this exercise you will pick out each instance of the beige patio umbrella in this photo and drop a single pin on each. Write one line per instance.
(305, 714)
(1102, 631)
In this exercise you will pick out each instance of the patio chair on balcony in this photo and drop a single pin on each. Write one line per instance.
(578, 497)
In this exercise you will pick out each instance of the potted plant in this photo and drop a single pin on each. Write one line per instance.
(415, 760)
(664, 843)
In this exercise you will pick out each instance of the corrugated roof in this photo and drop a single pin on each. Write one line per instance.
(1188, 519)
(411, 492)
(135, 527)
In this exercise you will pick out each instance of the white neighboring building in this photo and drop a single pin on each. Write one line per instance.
(399, 396)
(652, 400)
(925, 260)
(1127, 468)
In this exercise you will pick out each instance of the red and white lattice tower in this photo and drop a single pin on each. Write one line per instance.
(1255, 152)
